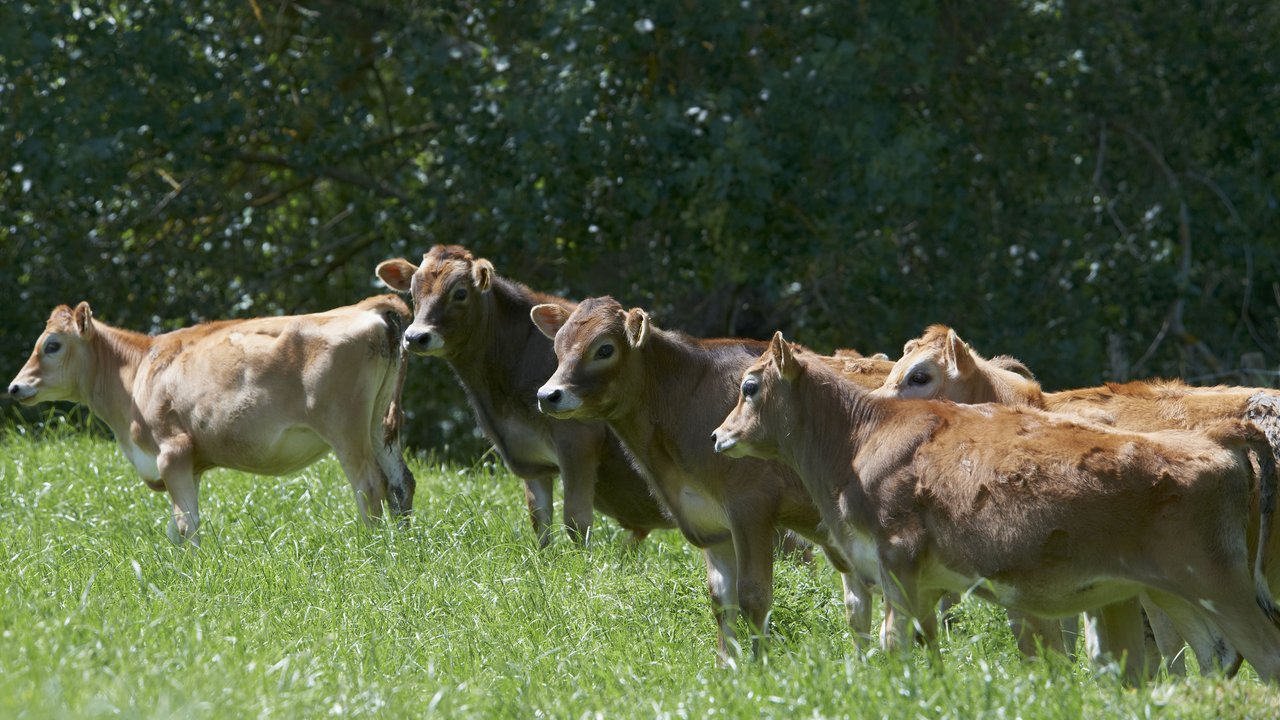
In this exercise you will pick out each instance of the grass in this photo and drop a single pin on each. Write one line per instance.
(292, 609)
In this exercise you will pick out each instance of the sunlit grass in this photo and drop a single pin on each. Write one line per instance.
(292, 609)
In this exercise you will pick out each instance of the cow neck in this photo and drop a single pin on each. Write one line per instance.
(831, 423)
(116, 356)
(673, 368)
(491, 354)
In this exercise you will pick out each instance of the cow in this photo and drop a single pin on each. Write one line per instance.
(265, 395)
(940, 364)
(478, 323)
(662, 392)
(1044, 513)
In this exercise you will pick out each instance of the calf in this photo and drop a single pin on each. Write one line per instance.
(267, 396)
(478, 323)
(939, 364)
(662, 393)
(1039, 512)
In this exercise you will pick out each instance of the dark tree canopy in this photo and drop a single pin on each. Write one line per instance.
(1092, 186)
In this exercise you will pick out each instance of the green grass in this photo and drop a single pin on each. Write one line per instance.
(292, 609)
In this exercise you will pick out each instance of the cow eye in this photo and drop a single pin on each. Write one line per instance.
(604, 351)
(919, 377)
(750, 388)
(460, 294)
(51, 347)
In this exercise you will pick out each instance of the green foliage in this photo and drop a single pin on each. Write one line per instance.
(291, 609)
(1089, 186)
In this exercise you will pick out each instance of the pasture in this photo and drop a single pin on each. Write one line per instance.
(292, 609)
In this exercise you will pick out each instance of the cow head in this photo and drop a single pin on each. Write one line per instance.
(598, 347)
(936, 365)
(59, 364)
(450, 292)
(764, 411)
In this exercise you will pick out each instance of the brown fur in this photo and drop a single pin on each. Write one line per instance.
(663, 392)
(1041, 512)
(500, 359)
(1137, 405)
(265, 395)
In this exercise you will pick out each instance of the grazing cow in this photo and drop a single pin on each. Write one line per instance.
(478, 322)
(266, 396)
(1040, 512)
(662, 392)
(939, 364)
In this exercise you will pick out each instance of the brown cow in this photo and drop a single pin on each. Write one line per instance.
(939, 364)
(266, 396)
(478, 322)
(1040, 512)
(662, 393)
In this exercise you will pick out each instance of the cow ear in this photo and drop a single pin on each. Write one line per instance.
(397, 274)
(83, 317)
(910, 346)
(482, 274)
(637, 327)
(783, 357)
(549, 318)
(959, 356)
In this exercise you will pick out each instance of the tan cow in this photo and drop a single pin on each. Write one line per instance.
(478, 322)
(266, 396)
(663, 392)
(1040, 512)
(939, 364)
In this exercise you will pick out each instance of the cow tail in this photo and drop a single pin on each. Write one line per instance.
(397, 319)
(1264, 413)
(400, 481)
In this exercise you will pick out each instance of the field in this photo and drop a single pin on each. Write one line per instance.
(292, 609)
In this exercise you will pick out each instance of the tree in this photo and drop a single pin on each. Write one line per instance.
(1089, 181)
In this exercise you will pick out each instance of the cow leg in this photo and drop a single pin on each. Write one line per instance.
(926, 622)
(789, 544)
(1168, 640)
(948, 601)
(753, 546)
(857, 606)
(579, 457)
(538, 497)
(857, 597)
(358, 460)
(722, 585)
(1251, 629)
(1251, 625)
(184, 495)
(901, 605)
(1033, 633)
(1199, 629)
(363, 457)
(1115, 634)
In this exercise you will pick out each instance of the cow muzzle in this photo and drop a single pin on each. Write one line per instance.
(557, 401)
(728, 443)
(722, 440)
(423, 340)
(22, 392)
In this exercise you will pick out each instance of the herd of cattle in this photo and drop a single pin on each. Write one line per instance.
(1139, 505)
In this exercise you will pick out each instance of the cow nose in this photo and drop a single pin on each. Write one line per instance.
(550, 397)
(417, 337)
(13, 389)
